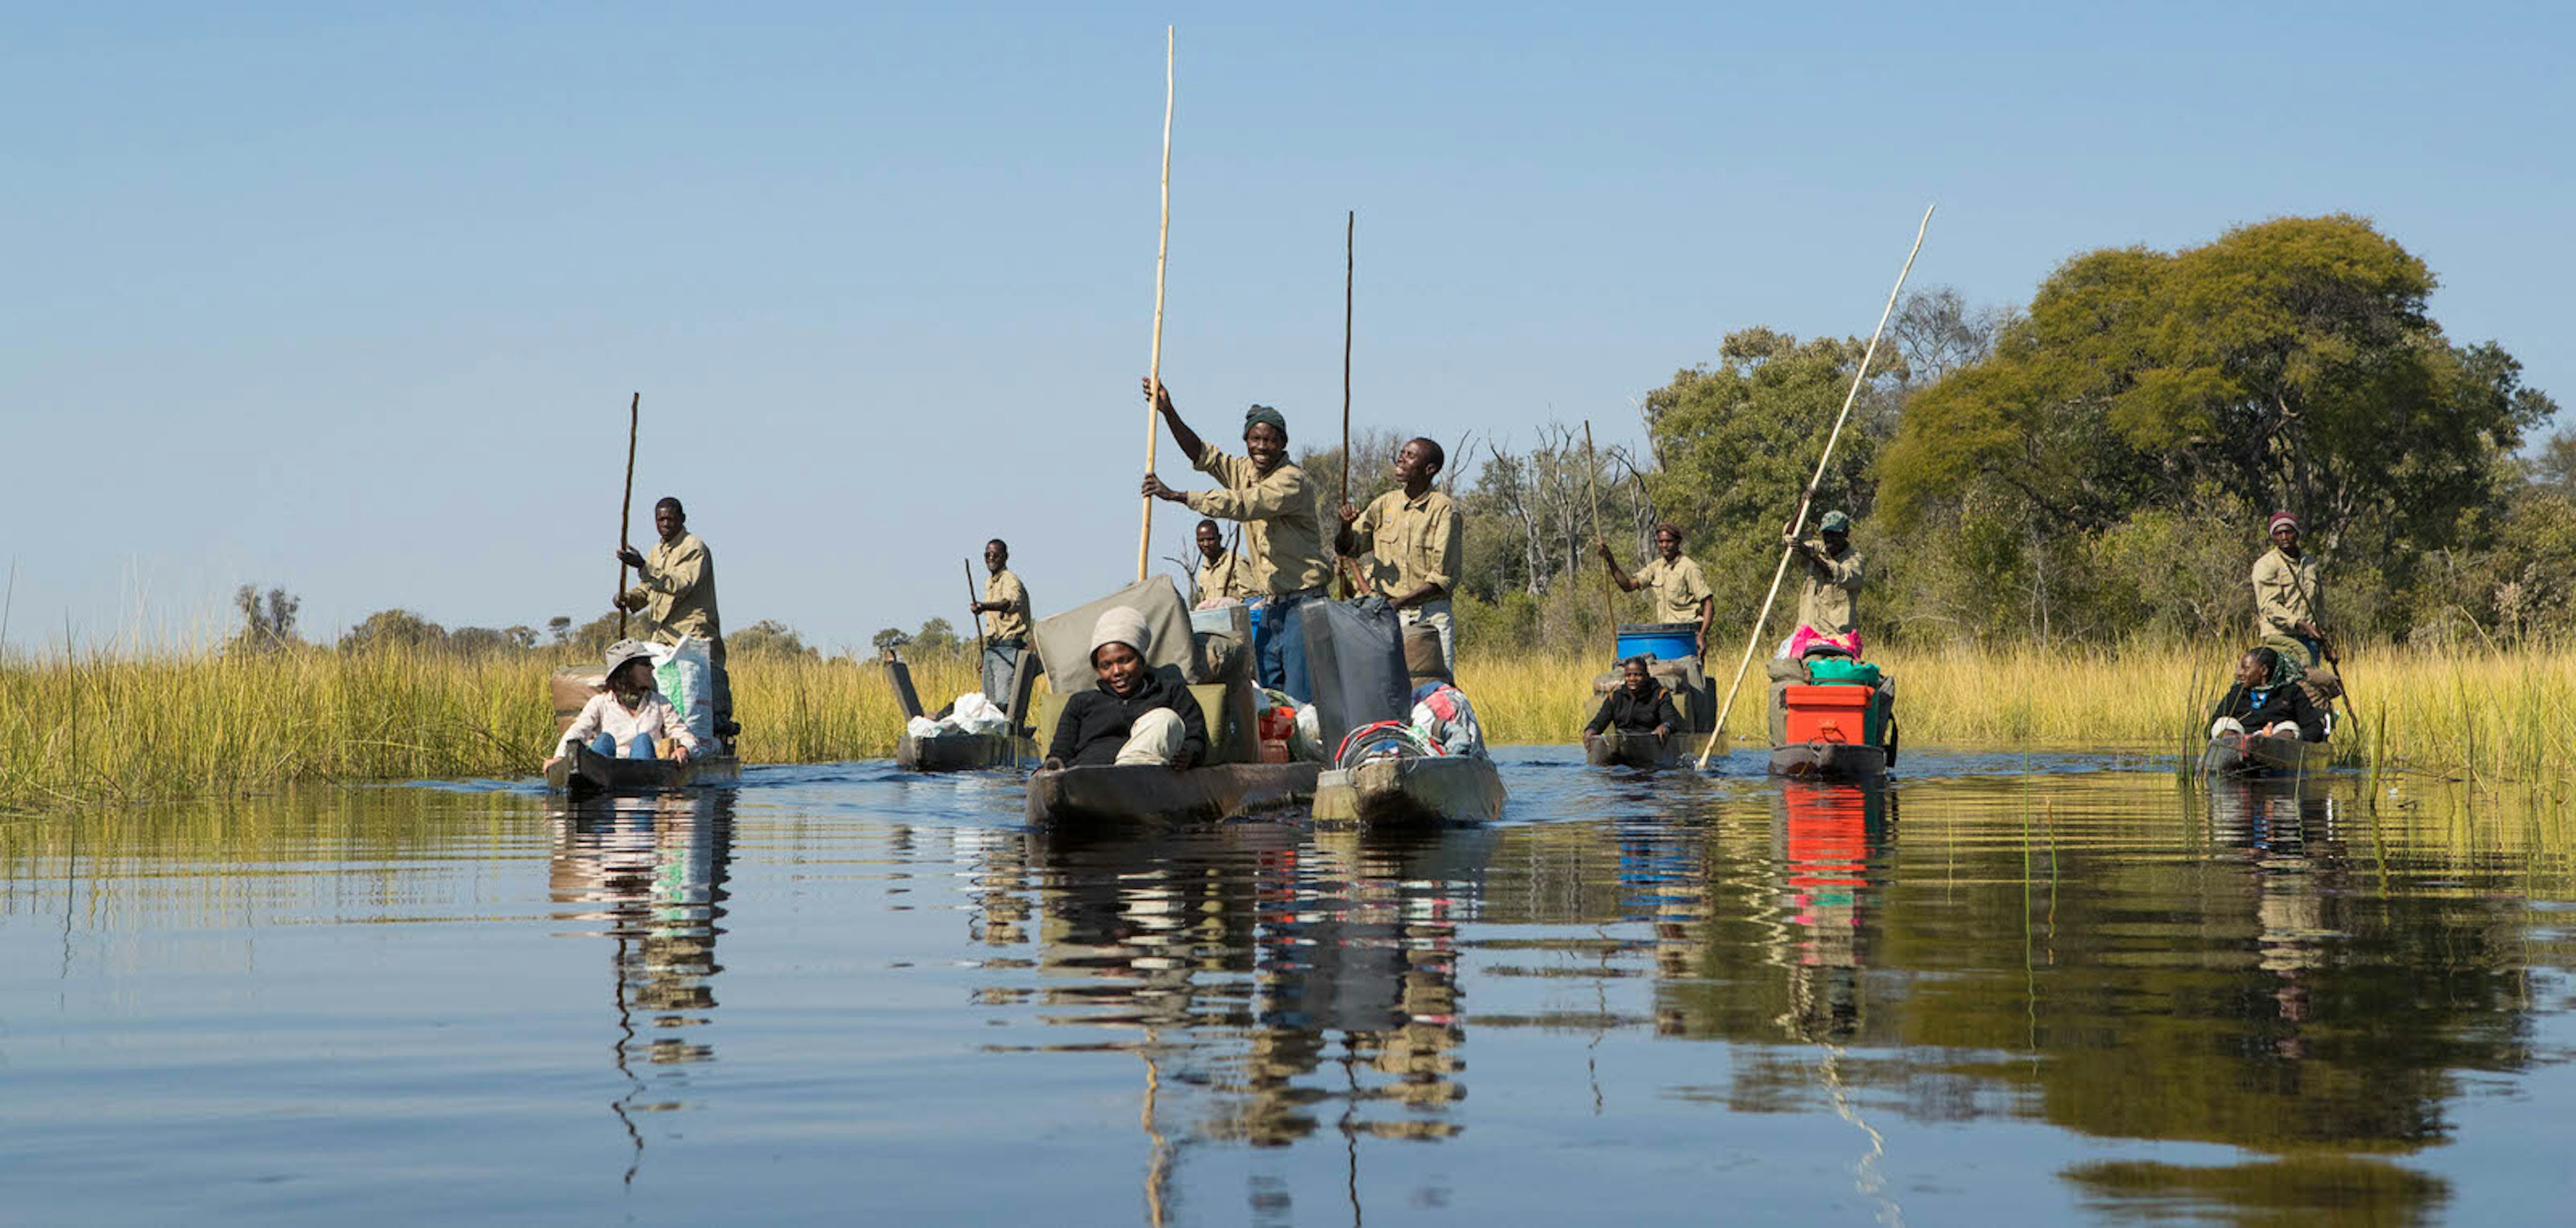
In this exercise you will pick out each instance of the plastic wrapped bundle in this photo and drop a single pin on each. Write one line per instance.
(1355, 660)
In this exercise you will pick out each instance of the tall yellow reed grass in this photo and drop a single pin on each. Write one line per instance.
(129, 728)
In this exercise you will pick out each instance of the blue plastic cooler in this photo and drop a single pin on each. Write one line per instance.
(1662, 641)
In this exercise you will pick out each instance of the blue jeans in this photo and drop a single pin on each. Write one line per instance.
(605, 746)
(1279, 648)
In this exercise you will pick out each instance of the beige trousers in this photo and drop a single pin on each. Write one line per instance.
(1156, 738)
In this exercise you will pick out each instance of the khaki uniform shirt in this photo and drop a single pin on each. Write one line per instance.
(678, 594)
(1678, 589)
(1011, 624)
(2285, 593)
(1412, 542)
(1283, 535)
(1827, 599)
(1228, 576)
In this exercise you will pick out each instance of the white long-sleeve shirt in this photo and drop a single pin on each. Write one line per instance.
(656, 718)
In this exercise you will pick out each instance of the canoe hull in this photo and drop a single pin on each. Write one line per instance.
(1637, 750)
(1829, 761)
(1428, 792)
(587, 773)
(1078, 797)
(956, 752)
(2242, 754)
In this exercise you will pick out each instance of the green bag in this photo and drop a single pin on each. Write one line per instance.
(1838, 670)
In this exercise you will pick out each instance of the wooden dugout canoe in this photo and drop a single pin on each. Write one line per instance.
(1829, 761)
(1132, 794)
(1620, 748)
(2253, 754)
(587, 773)
(956, 751)
(1429, 791)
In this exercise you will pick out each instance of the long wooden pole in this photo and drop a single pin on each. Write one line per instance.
(1609, 604)
(1350, 230)
(1162, 256)
(974, 599)
(626, 510)
(1807, 498)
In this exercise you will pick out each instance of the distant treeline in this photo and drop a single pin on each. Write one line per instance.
(268, 624)
(2089, 468)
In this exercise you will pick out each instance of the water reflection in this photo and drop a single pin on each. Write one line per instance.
(1287, 983)
(649, 872)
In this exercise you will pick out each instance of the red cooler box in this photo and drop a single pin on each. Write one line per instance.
(1829, 714)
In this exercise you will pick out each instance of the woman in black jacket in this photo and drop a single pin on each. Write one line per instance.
(1640, 705)
(2253, 705)
(1136, 714)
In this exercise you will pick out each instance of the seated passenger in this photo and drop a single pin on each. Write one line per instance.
(1136, 714)
(2254, 705)
(1441, 714)
(628, 715)
(1640, 705)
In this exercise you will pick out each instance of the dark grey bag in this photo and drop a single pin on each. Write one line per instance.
(1355, 662)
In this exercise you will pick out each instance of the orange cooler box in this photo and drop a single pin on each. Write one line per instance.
(1830, 714)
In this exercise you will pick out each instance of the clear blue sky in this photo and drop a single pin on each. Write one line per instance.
(349, 298)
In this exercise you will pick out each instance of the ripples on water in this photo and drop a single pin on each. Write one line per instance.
(2001, 989)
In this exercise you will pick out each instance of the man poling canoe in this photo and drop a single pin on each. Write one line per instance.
(1681, 592)
(1416, 544)
(677, 597)
(1283, 539)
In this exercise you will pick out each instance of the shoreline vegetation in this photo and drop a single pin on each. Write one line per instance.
(113, 729)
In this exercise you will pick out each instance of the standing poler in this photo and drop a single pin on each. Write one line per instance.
(1416, 544)
(677, 596)
(1222, 577)
(1829, 597)
(1283, 535)
(1005, 609)
(2289, 603)
(1681, 592)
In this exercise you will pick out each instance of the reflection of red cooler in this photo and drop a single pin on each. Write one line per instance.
(1827, 834)
(1831, 713)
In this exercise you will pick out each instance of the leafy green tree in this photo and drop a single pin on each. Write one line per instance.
(889, 639)
(2286, 364)
(1736, 443)
(268, 619)
(394, 629)
(768, 637)
(936, 635)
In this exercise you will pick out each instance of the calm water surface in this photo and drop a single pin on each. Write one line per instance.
(2000, 990)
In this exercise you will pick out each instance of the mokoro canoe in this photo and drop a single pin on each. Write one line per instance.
(955, 751)
(1139, 794)
(2253, 754)
(1429, 791)
(1829, 761)
(1628, 748)
(587, 773)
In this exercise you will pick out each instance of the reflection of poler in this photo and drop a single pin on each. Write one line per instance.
(1135, 714)
(1283, 534)
(628, 716)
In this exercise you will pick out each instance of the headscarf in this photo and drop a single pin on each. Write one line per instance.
(1263, 413)
(1834, 522)
(1122, 625)
(2279, 519)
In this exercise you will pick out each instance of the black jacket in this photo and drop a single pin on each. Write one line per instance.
(1634, 715)
(1096, 722)
(2285, 703)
